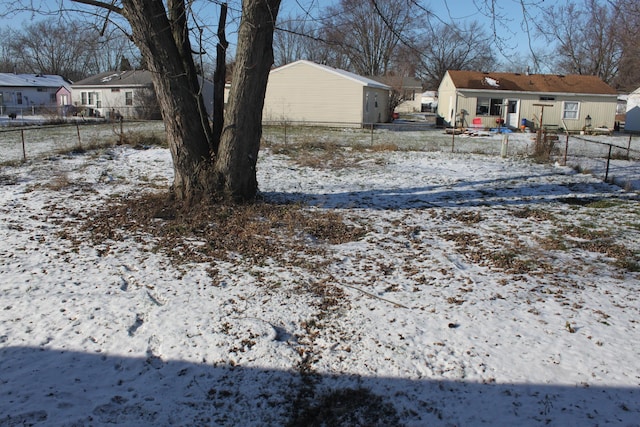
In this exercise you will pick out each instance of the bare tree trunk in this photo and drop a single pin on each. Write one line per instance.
(219, 79)
(240, 141)
(164, 43)
(162, 35)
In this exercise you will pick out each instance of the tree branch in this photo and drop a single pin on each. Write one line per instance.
(109, 6)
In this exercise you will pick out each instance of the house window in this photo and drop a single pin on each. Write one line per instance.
(52, 98)
(84, 98)
(547, 98)
(91, 100)
(115, 89)
(128, 98)
(19, 98)
(570, 109)
(489, 107)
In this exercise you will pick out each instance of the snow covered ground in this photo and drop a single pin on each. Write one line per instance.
(475, 290)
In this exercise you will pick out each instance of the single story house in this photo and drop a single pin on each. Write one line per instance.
(127, 94)
(407, 91)
(33, 93)
(569, 102)
(429, 101)
(304, 91)
(632, 119)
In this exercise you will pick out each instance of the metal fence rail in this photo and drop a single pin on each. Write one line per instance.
(604, 156)
(19, 143)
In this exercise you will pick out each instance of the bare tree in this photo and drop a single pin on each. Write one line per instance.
(368, 32)
(162, 33)
(7, 63)
(451, 47)
(628, 12)
(51, 47)
(291, 40)
(586, 37)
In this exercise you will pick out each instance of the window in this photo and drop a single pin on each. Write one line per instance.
(91, 100)
(115, 89)
(52, 98)
(19, 98)
(489, 107)
(128, 98)
(84, 98)
(570, 110)
(547, 98)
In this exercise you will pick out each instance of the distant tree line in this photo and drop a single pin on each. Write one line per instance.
(70, 49)
(377, 38)
(402, 37)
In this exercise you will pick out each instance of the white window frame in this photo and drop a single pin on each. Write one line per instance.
(568, 114)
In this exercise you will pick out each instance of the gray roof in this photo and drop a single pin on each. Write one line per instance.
(118, 79)
(33, 80)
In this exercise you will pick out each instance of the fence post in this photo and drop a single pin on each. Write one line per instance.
(371, 129)
(78, 132)
(24, 151)
(629, 148)
(606, 174)
(121, 131)
(566, 150)
(453, 138)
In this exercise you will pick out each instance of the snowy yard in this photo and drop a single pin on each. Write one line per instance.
(372, 287)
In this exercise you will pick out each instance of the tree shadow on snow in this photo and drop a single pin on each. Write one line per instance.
(41, 386)
(510, 191)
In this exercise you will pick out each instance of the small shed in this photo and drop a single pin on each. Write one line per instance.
(306, 92)
(570, 102)
(632, 119)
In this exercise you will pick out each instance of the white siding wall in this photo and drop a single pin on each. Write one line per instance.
(446, 99)
(28, 96)
(302, 92)
(104, 99)
(632, 120)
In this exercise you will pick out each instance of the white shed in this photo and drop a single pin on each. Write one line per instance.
(632, 120)
(311, 93)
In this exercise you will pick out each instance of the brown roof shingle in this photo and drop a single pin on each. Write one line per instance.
(540, 83)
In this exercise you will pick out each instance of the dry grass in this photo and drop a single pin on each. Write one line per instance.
(255, 232)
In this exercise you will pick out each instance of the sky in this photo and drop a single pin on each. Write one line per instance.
(512, 42)
(447, 10)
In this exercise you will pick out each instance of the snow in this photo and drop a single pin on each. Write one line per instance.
(491, 82)
(427, 317)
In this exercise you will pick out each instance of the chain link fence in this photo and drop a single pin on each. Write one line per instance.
(29, 141)
(614, 158)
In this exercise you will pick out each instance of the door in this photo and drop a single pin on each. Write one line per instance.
(513, 113)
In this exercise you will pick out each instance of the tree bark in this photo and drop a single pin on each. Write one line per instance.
(164, 43)
(219, 79)
(162, 36)
(236, 161)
